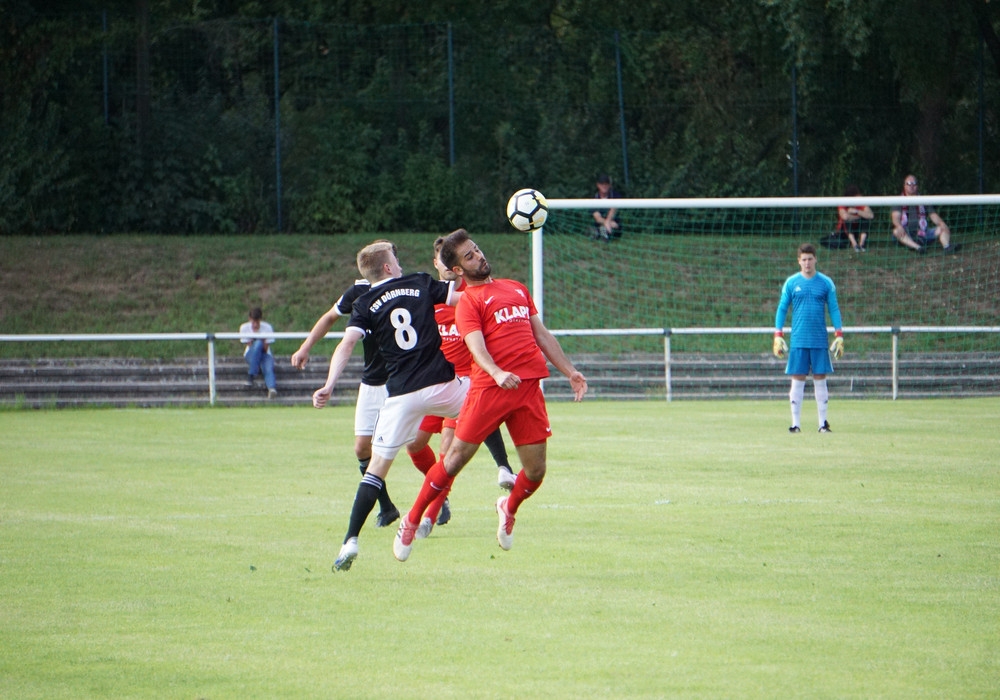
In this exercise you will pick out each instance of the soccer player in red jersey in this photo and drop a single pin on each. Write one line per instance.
(509, 344)
(420, 451)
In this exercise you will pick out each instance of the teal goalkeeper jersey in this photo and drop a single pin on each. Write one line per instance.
(809, 299)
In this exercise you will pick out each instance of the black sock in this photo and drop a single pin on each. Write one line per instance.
(494, 443)
(384, 502)
(364, 502)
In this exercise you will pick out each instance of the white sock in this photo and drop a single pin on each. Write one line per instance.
(795, 397)
(822, 399)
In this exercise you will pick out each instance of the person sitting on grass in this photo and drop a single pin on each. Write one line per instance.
(606, 226)
(910, 224)
(854, 222)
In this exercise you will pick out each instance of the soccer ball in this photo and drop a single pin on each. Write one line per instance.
(527, 210)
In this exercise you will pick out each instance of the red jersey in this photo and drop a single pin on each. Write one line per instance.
(502, 310)
(841, 224)
(454, 348)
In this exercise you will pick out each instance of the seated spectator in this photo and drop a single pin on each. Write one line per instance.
(258, 351)
(606, 225)
(911, 224)
(854, 222)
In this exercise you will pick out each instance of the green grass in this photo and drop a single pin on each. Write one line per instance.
(176, 284)
(153, 284)
(173, 284)
(675, 550)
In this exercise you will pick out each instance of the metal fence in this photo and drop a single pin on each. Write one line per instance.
(989, 383)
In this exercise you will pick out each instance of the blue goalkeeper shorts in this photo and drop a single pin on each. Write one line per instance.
(802, 360)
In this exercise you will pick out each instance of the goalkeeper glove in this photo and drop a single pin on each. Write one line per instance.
(837, 347)
(780, 347)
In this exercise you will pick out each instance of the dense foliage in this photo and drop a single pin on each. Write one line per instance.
(225, 116)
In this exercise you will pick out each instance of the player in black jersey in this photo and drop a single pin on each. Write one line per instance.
(398, 312)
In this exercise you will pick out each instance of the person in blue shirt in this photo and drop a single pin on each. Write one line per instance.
(810, 294)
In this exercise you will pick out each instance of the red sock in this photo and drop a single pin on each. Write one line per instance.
(522, 490)
(436, 481)
(434, 509)
(424, 459)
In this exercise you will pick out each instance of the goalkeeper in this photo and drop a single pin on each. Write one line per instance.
(810, 294)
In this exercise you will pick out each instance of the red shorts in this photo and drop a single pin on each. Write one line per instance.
(434, 424)
(522, 409)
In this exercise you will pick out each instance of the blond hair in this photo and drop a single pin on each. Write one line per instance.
(373, 257)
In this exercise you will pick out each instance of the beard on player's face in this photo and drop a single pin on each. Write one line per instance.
(479, 272)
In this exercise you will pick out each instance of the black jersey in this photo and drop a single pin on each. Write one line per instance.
(375, 372)
(399, 314)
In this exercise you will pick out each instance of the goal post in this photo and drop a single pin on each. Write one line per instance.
(719, 264)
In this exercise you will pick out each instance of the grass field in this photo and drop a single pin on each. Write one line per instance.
(180, 284)
(676, 550)
(177, 284)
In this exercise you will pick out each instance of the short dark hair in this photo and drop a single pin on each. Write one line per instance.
(256, 314)
(852, 190)
(807, 248)
(603, 179)
(449, 247)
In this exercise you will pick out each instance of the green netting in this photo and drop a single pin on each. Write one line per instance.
(723, 268)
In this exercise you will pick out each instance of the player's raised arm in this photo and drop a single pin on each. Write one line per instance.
(554, 353)
(454, 296)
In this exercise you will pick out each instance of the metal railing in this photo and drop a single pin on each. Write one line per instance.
(894, 331)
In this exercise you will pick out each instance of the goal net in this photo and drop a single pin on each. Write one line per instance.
(718, 265)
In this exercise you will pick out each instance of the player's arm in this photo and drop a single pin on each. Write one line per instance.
(337, 364)
(454, 296)
(477, 346)
(319, 331)
(779, 347)
(554, 353)
(837, 347)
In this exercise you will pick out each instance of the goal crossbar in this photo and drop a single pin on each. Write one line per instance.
(775, 202)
